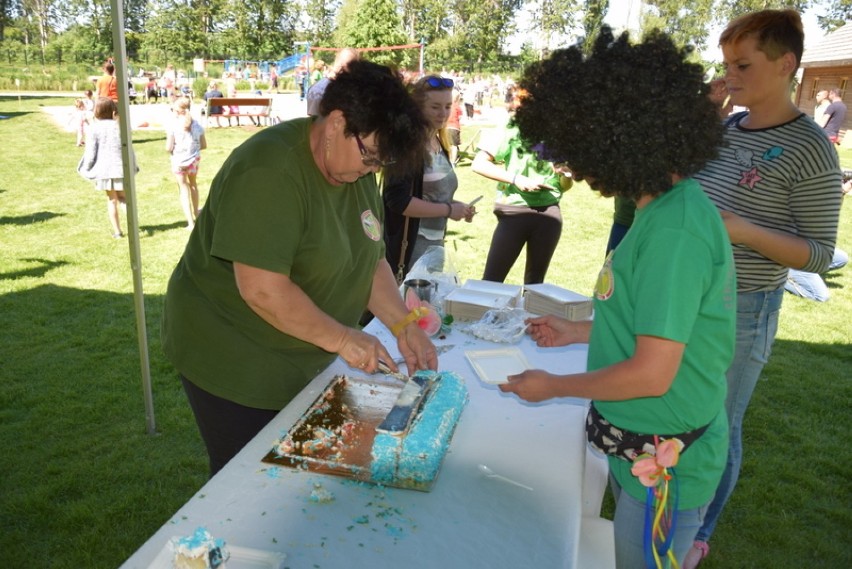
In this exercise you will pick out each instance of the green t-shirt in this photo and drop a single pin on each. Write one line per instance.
(672, 277)
(506, 147)
(269, 207)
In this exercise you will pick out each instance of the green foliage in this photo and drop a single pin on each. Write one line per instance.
(686, 25)
(839, 12)
(375, 23)
(726, 11)
(593, 20)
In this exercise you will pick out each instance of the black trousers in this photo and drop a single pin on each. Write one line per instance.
(537, 228)
(225, 426)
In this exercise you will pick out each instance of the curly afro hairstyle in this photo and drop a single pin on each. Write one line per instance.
(373, 99)
(626, 117)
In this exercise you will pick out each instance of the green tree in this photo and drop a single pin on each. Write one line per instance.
(686, 24)
(262, 29)
(593, 20)
(320, 21)
(483, 28)
(174, 32)
(838, 12)
(375, 23)
(727, 10)
(555, 19)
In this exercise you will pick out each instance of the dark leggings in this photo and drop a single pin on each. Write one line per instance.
(539, 229)
(616, 234)
(225, 426)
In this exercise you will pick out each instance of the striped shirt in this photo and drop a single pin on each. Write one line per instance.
(785, 178)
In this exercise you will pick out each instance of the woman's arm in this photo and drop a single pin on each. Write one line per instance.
(648, 373)
(785, 249)
(550, 331)
(455, 210)
(484, 165)
(284, 305)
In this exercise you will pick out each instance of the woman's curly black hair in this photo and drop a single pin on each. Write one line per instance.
(374, 99)
(626, 117)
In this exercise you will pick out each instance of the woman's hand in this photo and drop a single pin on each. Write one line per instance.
(363, 351)
(526, 184)
(417, 349)
(550, 331)
(533, 385)
(461, 210)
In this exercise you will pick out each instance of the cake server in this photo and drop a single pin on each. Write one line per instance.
(385, 369)
(407, 403)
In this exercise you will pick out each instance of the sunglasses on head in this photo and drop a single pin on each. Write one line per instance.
(437, 82)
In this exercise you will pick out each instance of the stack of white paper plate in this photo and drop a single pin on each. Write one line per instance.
(547, 298)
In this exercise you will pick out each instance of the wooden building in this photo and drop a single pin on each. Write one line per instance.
(827, 65)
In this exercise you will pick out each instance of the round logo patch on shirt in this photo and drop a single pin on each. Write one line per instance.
(606, 281)
(371, 225)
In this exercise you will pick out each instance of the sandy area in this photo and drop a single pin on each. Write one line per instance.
(155, 116)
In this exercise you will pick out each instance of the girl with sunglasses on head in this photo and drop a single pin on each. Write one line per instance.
(424, 195)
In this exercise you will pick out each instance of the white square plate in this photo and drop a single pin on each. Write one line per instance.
(241, 558)
(494, 366)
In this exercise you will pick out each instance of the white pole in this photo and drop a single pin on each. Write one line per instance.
(129, 159)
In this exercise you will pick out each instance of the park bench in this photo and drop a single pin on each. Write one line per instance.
(252, 107)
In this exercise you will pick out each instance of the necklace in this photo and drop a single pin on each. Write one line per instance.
(435, 144)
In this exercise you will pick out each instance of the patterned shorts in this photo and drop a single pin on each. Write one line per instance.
(192, 169)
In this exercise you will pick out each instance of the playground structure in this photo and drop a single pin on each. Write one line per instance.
(303, 57)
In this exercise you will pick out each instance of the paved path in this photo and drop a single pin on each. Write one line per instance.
(155, 116)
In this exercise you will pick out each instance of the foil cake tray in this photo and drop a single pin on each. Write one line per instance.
(345, 415)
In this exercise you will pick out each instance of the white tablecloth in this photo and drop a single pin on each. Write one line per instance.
(467, 520)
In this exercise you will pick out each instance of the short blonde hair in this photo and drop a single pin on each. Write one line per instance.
(777, 32)
(181, 108)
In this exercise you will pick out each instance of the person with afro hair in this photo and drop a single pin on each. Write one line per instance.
(635, 120)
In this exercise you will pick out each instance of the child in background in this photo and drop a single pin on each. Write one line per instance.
(184, 142)
(80, 121)
(103, 162)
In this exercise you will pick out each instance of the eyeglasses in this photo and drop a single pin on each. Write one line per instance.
(437, 82)
(368, 160)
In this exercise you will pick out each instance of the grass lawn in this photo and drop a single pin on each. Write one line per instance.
(84, 485)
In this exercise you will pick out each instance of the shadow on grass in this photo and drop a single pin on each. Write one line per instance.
(72, 422)
(458, 236)
(151, 229)
(39, 271)
(13, 115)
(832, 280)
(36, 217)
(147, 140)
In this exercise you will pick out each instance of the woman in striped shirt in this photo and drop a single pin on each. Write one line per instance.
(777, 184)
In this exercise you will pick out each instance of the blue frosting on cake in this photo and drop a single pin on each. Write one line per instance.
(413, 459)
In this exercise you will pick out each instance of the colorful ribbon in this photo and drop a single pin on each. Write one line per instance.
(656, 471)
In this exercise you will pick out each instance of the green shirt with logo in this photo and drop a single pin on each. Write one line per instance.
(271, 208)
(672, 277)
